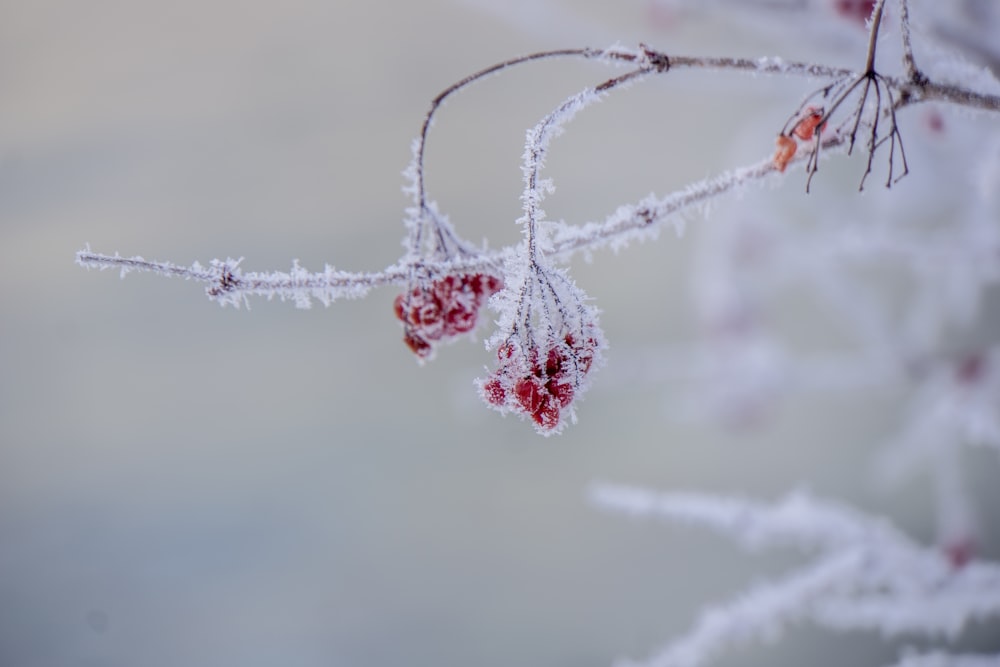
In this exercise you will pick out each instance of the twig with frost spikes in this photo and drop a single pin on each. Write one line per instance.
(634, 220)
(229, 285)
(759, 614)
(539, 138)
(567, 240)
(797, 520)
(913, 73)
(867, 576)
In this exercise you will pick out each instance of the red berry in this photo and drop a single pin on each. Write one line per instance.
(960, 552)
(784, 152)
(855, 10)
(934, 121)
(427, 312)
(806, 128)
(554, 362)
(493, 285)
(399, 307)
(474, 284)
(547, 414)
(505, 353)
(450, 290)
(459, 320)
(561, 391)
(420, 347)
(530, 394)
(494, 392)
(971, 369)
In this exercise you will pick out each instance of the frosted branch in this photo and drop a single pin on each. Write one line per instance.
(761, 614)
(868, 576)
(230, 285)
(798, 520)
(909, 62)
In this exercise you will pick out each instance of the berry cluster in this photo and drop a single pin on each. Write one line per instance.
(443, 308)
(541, 386)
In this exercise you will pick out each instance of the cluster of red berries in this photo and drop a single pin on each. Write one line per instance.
(444, 308)
(540, 386)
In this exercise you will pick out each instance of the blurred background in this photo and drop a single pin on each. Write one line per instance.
(187, 485)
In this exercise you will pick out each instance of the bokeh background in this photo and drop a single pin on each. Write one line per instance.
(187, 485)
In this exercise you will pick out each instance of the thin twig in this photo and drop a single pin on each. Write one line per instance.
(913, 73)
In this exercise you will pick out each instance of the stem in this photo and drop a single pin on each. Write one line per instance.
(873, 36)
(543, 134)
(945, 92)
(476, 76)
(909, 63)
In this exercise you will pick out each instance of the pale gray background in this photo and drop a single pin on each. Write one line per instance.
(186, 485)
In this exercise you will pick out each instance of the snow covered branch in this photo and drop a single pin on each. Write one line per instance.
(230, 285)
(866, 574)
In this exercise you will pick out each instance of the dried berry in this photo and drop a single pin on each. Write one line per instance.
(809, 125)
(784, 152)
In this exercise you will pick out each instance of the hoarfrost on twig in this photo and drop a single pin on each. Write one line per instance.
(866, 575)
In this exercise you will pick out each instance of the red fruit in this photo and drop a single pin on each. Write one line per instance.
(547, 414)
(971, 369)
(856, 10)
(934, 121)
(420, 347)
(505, 353)
(494, 392)
(427, 312)
(583, 353)
(960, 552)
(474, 284)
(399, 307)
(806, 128)
(448, 284)
(459, 320)
(492, 285)
(530, 393)
(554, 362)
(561, 391)
(784, 152)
